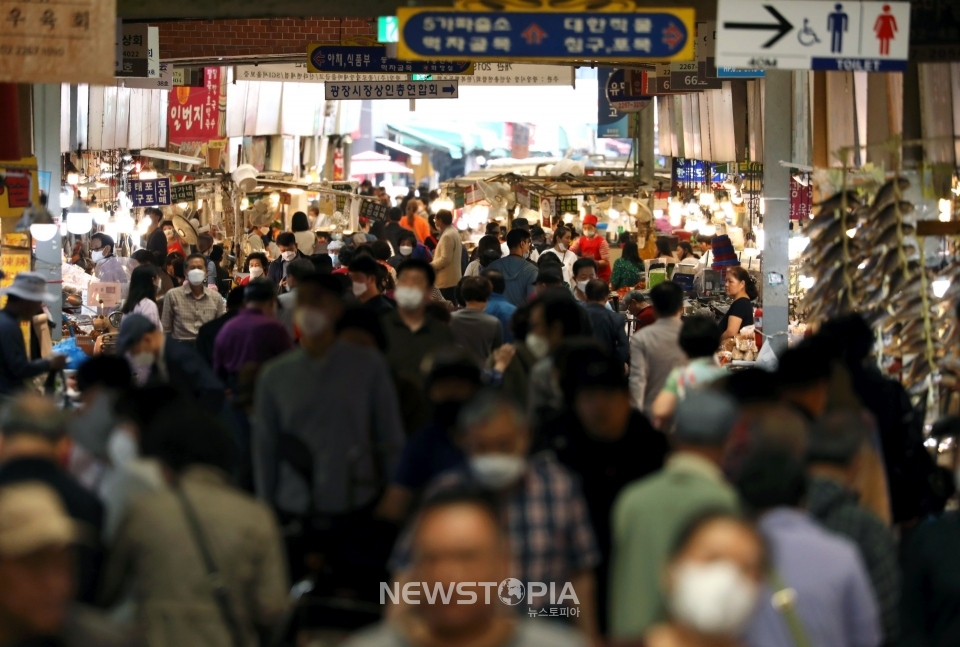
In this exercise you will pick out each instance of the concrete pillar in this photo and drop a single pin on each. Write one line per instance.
(46, 137)
(777, 146)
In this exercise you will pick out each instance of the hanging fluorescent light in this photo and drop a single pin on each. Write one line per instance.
(171, 157)
(945, 210)
(763, 206)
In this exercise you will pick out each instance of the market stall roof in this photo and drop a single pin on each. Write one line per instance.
(409, 133)
(415, 155)
(371, 163)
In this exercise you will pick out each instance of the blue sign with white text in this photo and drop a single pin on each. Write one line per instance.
(651, 35)
(737, 73)
(374, 60)
(611, 123)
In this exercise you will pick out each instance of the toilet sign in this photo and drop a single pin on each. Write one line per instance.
(813, 35)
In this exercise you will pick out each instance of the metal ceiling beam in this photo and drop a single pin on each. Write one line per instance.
(143, 10)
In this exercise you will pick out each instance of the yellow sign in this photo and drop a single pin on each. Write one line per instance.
(608, 35)
(21, 187)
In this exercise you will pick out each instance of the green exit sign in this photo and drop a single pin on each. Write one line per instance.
(421, 77)
(388, 29)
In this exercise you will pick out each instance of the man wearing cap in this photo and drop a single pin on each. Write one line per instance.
(37, 573)
(25, 298)
(649, 513)
(167, 361)
(34, 447)
(590, 245)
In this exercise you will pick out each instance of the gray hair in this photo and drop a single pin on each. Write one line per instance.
(836, 438)
(486, 406)
(34, 415)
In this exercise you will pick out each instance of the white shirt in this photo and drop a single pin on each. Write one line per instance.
(568, 258)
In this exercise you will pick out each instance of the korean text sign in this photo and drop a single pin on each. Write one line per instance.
(193, 114)
(150, 193)
(645, 35)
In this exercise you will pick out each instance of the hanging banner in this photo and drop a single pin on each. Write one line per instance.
(151, 193)
(611, 123)
(801, 200)
(193, 114)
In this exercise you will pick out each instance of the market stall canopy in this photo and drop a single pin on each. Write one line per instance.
(370, 163)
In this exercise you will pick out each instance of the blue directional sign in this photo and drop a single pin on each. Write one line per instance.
(738, 73)
(645, 35)
(374, 60)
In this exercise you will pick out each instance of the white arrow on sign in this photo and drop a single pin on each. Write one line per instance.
(782, 26)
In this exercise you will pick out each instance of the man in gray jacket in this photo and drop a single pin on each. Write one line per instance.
(655, 349)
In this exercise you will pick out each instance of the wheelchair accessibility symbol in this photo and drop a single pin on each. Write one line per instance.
(807, 36)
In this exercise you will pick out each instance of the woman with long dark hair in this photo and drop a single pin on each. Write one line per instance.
(142, 295)
(742, 289)
(306, 239)
(627, 269)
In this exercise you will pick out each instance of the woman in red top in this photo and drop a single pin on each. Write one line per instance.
(590, 245)
(174, 246)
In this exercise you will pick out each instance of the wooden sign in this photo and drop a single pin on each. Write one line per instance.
(937, 228)
(43, 42)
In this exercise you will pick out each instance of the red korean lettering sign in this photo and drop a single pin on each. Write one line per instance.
(801, 200)
(193, 114)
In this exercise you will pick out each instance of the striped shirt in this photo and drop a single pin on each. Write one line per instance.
(183, 313)
(546, 521)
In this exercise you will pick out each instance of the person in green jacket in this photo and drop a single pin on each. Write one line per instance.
(650, 513)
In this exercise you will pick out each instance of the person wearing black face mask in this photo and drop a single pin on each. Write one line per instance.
(453, 380)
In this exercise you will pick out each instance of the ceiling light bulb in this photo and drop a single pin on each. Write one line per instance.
(43, 232)
(940, 287)
(244, 204)
(73, 178)
(634, 208)
(274, 198)
(147, 175)
(852, 232)
(706, 199)
(79, 223)
(763, 206)
(807, 282)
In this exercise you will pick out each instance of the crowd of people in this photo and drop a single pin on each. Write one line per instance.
(412, 416)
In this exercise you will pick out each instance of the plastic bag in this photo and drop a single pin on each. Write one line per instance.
(75, 355)
(767, 358)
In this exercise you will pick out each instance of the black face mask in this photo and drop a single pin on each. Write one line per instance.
(445, 413)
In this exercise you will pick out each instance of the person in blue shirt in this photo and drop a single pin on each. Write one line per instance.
(497, 305)
(519, 274)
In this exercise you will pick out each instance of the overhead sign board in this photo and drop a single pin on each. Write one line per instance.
(374, 59)
(134, 49)
(738, 73)
(387, 29)
(66, 42)
(483, 74)
(164, 80)
(626, 90)
(644, 35)
(813, 35)
(387, 90)
(611, 123)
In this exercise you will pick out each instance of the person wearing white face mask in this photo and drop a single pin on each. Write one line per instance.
(187, 308)
(277, 272)
(365, 274)
(338, 400)
(540, 502)
(712, 584)
(109, 269)
(407, 248)
(593, 245)
(168, 362)
(562, 238)
(649, 514)
(411, 333)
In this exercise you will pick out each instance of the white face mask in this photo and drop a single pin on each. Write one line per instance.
(288, 256)
(142, 360)
(168, 233)
(561, 247)
(589, 233)
(256, 271)
(196, 277)
(311, 322)
(497, 471)
(408, 298)
(359, 289)
(406, 250)
(582, 286)
(715, 598)
(96, 256)
(538, 345)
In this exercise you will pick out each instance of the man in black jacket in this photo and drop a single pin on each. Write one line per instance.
(277, 272)
(609, 327)
(170, 362)
(156, 240)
